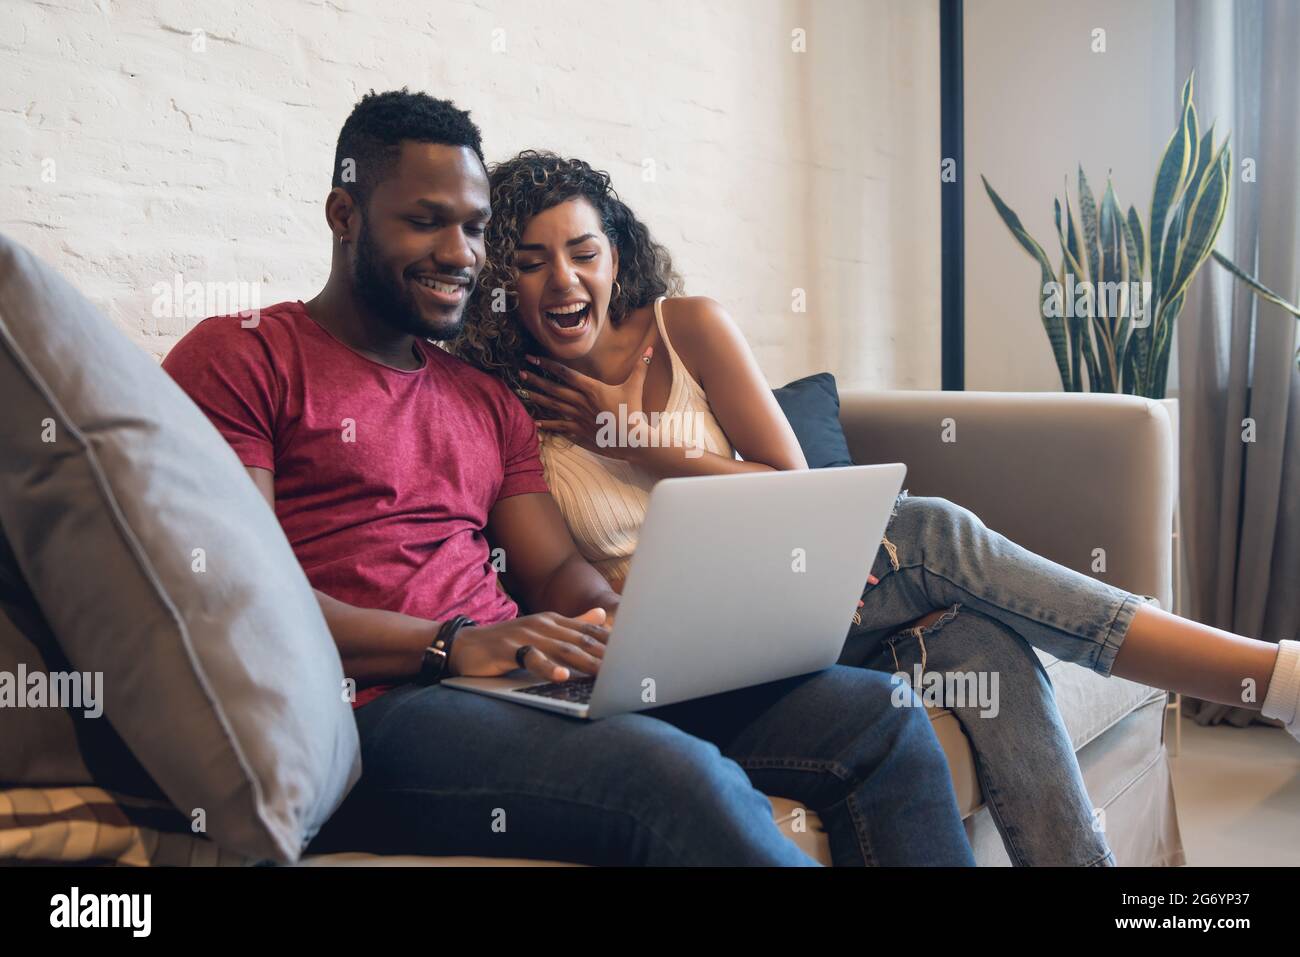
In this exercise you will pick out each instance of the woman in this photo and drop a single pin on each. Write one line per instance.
(581, 313)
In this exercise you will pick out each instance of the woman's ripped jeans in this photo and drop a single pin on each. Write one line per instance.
(995, 600)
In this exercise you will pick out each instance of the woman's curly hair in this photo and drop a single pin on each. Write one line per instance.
(493, 339)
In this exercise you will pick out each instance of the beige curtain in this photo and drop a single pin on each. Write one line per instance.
(1236, 356)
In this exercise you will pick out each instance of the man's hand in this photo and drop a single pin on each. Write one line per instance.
(560, 645)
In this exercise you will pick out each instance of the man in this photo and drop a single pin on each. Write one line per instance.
(404, 478)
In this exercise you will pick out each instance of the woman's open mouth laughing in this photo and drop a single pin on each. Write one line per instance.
(568, 320)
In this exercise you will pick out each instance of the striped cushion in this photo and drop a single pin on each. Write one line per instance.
(88, 825)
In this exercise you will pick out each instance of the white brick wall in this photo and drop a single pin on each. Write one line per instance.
(774, 169)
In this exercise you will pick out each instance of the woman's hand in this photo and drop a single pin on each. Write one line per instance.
(577, 403)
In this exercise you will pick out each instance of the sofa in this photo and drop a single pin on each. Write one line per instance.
(119, 559)
(1060, 474)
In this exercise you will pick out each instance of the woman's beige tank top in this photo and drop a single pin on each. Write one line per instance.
(604, 499)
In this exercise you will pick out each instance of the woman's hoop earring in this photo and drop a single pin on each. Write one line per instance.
(618, 289)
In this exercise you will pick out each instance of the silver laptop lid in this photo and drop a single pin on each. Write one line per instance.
(742, 579)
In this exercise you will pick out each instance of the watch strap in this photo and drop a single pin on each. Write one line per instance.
(433, 666)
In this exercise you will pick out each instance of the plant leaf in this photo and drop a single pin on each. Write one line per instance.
(1114, 259)
(1205, 153)
(1109, 289)
(1169, 179)
(1088, 220)
(1017, 228)
(1135, 229)
(1256, 286)
(1194, 159)
(1075, 345)
(1072, 245)
(1124, 335)
(1079, 322)
(1203, 222)
(1160, 350)
(1169, 253)
(1054, 325)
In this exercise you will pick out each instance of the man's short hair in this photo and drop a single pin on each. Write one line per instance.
(370, 142)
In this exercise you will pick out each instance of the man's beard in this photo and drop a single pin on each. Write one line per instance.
(393, 302)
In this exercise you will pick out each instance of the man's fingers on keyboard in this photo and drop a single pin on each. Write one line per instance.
(540, 664)
(585, 626)
(593, 645)
(575, 631)
(571, 655)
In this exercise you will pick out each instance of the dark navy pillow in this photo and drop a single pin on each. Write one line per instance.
(812, 406)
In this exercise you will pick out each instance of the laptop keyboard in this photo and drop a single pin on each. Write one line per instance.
(575, 690)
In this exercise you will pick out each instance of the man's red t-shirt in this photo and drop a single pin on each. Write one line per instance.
(383, 478)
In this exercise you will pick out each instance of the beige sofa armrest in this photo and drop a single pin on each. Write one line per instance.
(1061, 474)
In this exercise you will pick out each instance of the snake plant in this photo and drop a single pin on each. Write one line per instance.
(1118, 329)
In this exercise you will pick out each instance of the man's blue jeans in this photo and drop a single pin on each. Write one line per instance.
(1000, 599)
(445, 772)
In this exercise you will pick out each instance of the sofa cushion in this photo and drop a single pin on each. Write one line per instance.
(812, 407)
(1090, 704)
(800, 825)
(157, 568)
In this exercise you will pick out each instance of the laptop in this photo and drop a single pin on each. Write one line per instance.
(737, 580)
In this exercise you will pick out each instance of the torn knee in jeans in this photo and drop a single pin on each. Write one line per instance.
(929, 624)
(898, 500)
(889, 546)
(884, 540)
(892, 550)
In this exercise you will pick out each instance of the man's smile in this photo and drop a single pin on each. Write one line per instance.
(446, 292)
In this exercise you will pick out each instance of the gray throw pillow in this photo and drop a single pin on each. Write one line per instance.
(158, 565)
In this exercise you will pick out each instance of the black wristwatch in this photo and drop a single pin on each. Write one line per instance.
(433, 667)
